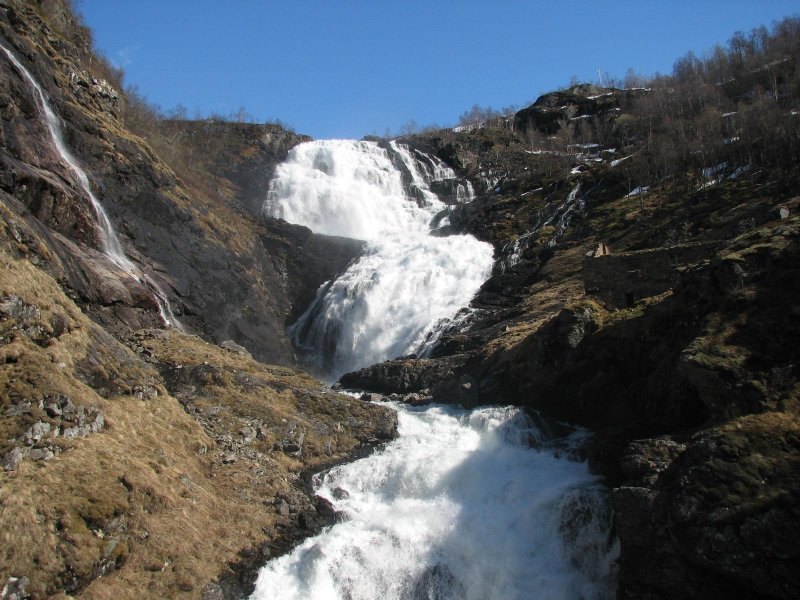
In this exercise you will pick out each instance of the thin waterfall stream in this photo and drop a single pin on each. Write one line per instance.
(111, 246)
(480, 504)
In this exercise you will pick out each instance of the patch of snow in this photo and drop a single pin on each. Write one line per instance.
(728, 114)
(469, 127)
(540, 152)
(708, 184)
(710, 172)
(639, 191)
(619, 161)
(739, 171)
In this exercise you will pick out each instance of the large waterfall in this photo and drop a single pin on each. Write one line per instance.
(111, 245)
(389, 302)
(458, 508)
(464, 505)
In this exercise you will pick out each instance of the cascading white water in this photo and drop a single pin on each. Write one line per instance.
(459, 507)
(111, 245)
(426, 169)
(416, 168)
(560, 216)
(387, 302)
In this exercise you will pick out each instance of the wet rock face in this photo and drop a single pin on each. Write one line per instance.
(227, 272)
(402, 376)
(30, 168)
(715, 516)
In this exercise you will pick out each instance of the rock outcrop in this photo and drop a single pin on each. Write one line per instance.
(714, 515)
(681, 361)
(550, 111)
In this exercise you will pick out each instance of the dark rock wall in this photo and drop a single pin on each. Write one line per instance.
(619, 280)
(227, 271)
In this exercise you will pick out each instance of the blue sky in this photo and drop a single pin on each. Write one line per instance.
(353, 68)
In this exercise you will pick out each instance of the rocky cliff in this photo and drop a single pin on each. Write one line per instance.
(664, 319)
(137, 456)
(194, 231)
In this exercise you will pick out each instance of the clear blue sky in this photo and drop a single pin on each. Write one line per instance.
(351, 68)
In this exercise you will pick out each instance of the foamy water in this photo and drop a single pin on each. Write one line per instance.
(459, 507)
(389, 301)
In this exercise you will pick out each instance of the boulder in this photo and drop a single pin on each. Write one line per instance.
(12, 459)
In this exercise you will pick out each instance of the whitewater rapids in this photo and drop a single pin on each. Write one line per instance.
(459, 507)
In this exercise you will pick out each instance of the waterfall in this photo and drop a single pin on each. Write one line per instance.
(388, 302)
(426, 169)
(111, 245)
(459, 507)
(559, 216)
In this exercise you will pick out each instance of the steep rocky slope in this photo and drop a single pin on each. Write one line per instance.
(159, 462)
(663, 320)
(195, 236)
(136, 457)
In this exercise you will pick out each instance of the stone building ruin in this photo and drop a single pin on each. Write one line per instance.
(620, 280)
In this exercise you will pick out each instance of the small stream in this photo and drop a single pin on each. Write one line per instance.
(111, 245)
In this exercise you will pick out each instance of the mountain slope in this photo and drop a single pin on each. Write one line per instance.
(646, 287)
(137, 457)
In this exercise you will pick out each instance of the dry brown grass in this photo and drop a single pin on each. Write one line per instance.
(560, 283)
(146, 502)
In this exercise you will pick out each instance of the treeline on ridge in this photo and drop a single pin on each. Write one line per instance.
(727, 114)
